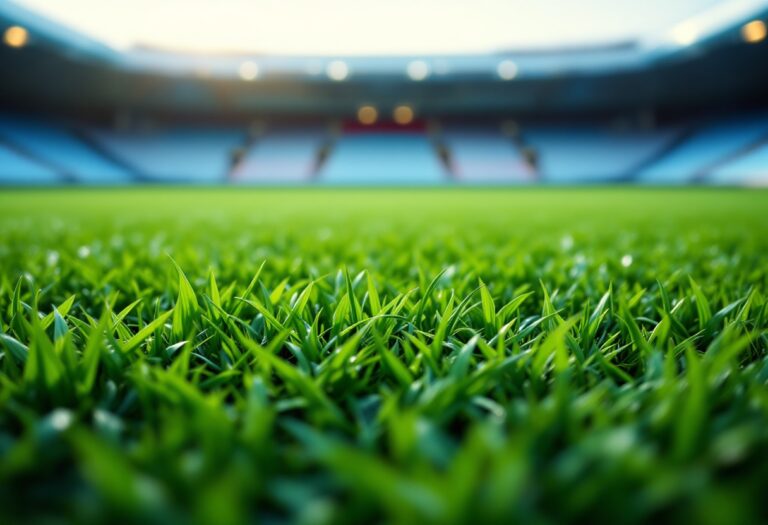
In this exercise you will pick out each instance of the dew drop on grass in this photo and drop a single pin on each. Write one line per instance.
(52, 258)
(60, 419)
(626, 261)
(83, 252)
(566, 243)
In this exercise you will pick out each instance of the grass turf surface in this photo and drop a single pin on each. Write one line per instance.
(345, 356)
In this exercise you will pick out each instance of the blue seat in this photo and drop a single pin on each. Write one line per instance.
(704, 148)
(54, 144)
(17, 169)
(383, 158)
(199, 155)
(575, 154)
(749, 169)
(281, 157)
(482, 156)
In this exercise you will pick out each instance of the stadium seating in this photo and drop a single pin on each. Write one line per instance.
(60, 148)
(710, 144)
(731, 150)
(482, 155)
(192, 154)
(383, 158)
(583, 153)
(701, 74)
(18, 169)
(283, 156)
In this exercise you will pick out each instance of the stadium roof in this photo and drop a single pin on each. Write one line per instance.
(370, 27)
(660, 39)
(706, 57)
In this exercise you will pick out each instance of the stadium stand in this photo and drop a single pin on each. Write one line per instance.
(729, 151)
(383, 158)
(281, 156)
(584, 153)
(482, 155)
(191, 154)
(705, 148)
(708, 85)
(18, 169)
(59, 147)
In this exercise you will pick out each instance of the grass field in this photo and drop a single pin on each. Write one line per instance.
(347, 356)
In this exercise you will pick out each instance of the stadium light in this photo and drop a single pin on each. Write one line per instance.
(403, 115)
(337, 70)
(685, 34)
(367, 115)
(754, 31)
(417, 70)
(16, 36)
(248, 70)
(507, 70)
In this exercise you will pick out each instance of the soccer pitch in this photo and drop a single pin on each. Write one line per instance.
(383, 356)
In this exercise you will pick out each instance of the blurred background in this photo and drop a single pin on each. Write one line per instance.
(424, 92)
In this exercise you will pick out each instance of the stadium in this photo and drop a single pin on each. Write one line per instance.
(678, 105)
(414, 262)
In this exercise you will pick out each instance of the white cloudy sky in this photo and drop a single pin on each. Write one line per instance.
(364, 26)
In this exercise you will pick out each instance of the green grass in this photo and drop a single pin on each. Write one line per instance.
(349, 356)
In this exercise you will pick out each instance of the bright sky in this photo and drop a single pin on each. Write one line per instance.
(350, 27)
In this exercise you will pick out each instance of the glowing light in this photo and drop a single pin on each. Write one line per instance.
(367, 115)
(248, 70)
(417, 70)
(507, 70)
(403, 115)
(685, 34)
(16, 36)
(754, 31)
(337, 70)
